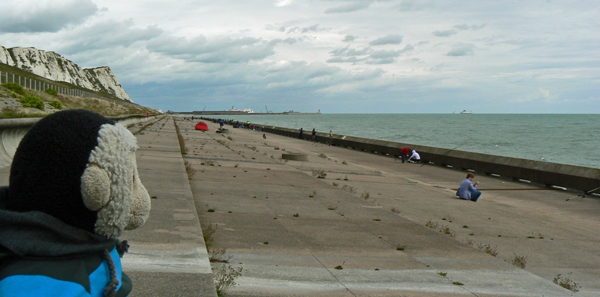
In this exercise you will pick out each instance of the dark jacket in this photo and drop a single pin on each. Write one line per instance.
(42, 256)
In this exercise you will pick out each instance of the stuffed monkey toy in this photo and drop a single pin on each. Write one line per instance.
(73, 189)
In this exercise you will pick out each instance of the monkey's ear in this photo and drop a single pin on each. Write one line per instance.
(95, 187)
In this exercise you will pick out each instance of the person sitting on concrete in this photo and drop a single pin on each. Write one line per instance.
(404, 153)
(468, 189)
(414, 157)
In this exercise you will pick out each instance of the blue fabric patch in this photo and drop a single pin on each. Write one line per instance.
(39, 285)
(101, 276)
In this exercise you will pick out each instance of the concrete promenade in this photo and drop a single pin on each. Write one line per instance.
(167, 255)
(372, 226)
(377, 227)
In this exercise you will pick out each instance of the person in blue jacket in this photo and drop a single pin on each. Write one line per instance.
(468, 189)
(73, 189)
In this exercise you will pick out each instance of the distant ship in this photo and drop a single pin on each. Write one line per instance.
(297, 112)
(466, 112)
(246, 110)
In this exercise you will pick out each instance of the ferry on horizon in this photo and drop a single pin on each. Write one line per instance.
(246, 110)
(297, 112)
(464, 112)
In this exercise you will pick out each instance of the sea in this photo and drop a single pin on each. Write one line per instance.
(572, 139)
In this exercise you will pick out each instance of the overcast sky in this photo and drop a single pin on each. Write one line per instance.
(339, 56)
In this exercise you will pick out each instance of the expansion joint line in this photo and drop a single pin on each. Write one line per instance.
(324, 266)
(333, 275)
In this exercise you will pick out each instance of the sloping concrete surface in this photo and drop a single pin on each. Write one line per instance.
(394, 229)
(168, 256)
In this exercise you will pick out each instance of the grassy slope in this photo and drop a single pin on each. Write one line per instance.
(11, 107)
(11, 69)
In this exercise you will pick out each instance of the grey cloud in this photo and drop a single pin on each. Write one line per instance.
(350, 55)
(318, 70)
(286, 41)
(345, 60)
(275, 28)
(384, 54)
(461, 50)
(462, 27)
(444, 33)
(218, 50)
(349, 52)
(415, 5)
(382, 61)
(389, 39)
(43, 17)
(407, 48)
(359, 5)
(313, 28)
(107, 35)
(387, 57)
(467, 27)
(349, 38)
(251, 86)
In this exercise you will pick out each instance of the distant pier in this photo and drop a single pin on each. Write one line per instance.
(235, 112)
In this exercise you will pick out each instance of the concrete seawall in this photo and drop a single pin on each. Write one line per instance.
(13, 130)
(575, 178)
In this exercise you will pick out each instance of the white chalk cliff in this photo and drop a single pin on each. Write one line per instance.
(53, 66)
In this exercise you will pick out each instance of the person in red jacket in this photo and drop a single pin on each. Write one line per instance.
(404, 153)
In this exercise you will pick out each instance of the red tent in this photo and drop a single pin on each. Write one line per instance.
(202, 126)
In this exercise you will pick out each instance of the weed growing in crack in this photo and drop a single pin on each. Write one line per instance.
(225, 276)
(566, 282)
(488, 249)
(431, 225)
(519, 261)
(349, 189)
(365, 195)
(447, 230)
(319, 173)
(188, 169)
(208, 233)
(218, 256)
